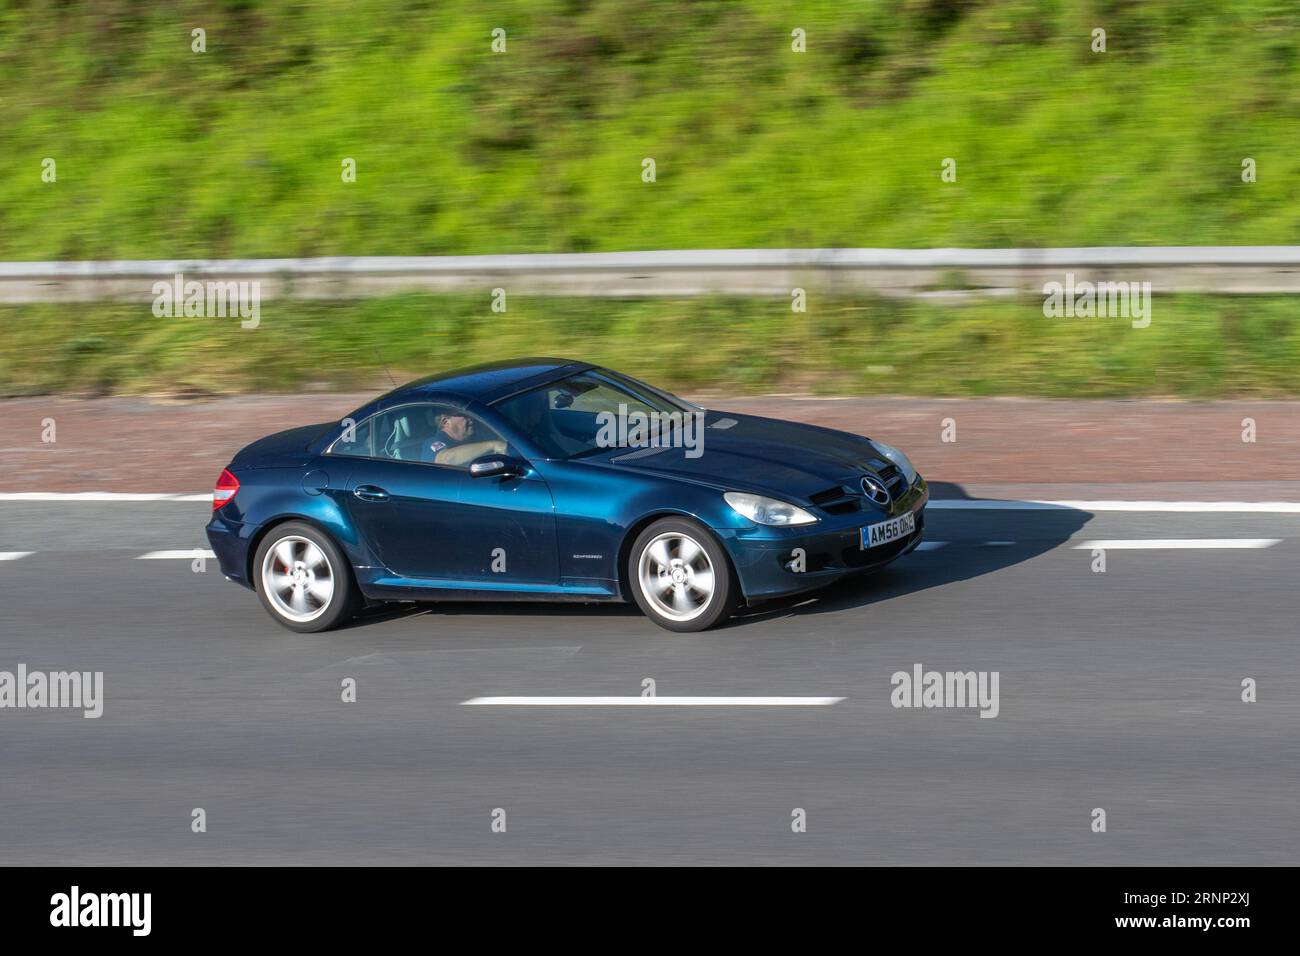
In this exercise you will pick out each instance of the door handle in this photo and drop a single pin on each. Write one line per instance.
(370, 493)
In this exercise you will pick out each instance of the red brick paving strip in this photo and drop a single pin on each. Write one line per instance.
(1037, 448)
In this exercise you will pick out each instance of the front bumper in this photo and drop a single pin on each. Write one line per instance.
(766, 562)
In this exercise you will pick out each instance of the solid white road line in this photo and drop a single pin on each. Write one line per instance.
(948, 504)
(97, 496)
(189, 555)
(14, 555)
(651, 701)
(1170, 544)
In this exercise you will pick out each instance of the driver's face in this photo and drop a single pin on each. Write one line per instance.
(458, 427)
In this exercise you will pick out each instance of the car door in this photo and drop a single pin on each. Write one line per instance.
(509, 526)
(432, 521)
(406, 512)
(405, 509)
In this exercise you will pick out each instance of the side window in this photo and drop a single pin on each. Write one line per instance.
(434, 434)
(403, 433)
(355, 441)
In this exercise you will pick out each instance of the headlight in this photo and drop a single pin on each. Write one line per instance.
(898, 458)
(767, 510)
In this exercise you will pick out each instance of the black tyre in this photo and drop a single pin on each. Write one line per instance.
(303, 578)
(680, 577)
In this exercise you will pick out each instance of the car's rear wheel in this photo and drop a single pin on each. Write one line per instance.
(303, 578)
(680, 576)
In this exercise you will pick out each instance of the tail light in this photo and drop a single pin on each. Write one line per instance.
(227, 485)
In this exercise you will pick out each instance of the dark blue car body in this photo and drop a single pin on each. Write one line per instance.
(567, 524)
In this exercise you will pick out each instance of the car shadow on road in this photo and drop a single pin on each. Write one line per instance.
(975, 542)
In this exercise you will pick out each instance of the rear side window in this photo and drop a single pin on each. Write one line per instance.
(426, 433)
(411, 432)
(355, 440)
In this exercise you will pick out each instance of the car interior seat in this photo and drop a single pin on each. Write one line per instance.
(399, 443)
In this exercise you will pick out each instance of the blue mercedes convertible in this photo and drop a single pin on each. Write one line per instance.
(553, 480)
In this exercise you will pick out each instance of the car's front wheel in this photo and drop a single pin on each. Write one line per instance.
(303, 578)
(680, 576)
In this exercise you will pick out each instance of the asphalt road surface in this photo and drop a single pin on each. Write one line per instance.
(1118, 690)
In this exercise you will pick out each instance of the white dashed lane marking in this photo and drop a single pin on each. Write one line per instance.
(651, 701)
(1181, 507)
(1172, 544)
(14, 555)
(189, 555)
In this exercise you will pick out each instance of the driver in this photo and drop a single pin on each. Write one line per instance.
(451, 444)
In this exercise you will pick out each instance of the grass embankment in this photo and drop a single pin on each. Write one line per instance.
(1196, 346)
(162, 152)
(236, 152)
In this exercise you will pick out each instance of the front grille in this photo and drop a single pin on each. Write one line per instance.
(848, 498)
(830, 494)
(835, 501)
(894, 480)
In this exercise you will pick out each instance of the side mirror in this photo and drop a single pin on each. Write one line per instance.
(496, 466)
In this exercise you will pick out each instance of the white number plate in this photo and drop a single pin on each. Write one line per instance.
(887, 531)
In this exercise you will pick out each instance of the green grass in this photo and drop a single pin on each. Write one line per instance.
(162, 152)
(166, 153)
(1195, 347)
